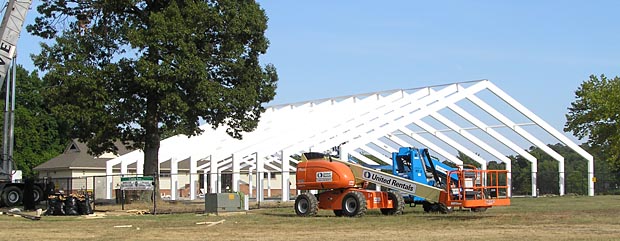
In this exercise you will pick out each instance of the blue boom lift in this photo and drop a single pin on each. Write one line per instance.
(417, 165)
(465, 187)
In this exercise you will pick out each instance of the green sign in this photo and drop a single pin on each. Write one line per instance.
(137, 183)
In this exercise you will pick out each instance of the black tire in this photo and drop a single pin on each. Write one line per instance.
(435, 207)
(338, 213)
(428, 207)
(398, 203)
(354, 204)
(11, 196)
(38, 194)
(442, 208)
(306, 205)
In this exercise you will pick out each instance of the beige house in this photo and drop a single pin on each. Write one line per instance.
(75, 169)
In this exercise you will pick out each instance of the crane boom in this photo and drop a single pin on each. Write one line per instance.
(11, 27)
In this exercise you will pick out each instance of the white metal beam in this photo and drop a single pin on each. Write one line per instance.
(545, 126)
(452, 143)
(428, 144)
(426, 106)
(358, 121)
(464, 133)
(506, 121)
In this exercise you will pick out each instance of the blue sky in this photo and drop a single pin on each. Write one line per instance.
(539, 52)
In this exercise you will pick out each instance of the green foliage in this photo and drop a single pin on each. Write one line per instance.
(36, 135)
(575, 169)
(138, 71)
(521, 175)
(496, 166)
(607, 178)
(594, 115)
(449, 163)
(468, 160)
(547, 176)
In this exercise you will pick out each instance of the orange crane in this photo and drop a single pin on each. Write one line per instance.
(341, 187)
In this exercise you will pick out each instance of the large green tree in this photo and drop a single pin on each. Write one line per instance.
(36, 136)
(133, 70)
(595, 115)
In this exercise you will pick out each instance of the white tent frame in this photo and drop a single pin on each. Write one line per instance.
(367, 123)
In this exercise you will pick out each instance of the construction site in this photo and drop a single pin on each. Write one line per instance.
(383, 150)
(443, 161)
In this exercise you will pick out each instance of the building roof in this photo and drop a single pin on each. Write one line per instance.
(76, 156)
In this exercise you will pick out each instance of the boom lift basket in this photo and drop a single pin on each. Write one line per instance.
(477, 189)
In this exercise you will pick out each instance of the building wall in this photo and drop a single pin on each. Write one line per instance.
(76, 180)
(275, 181)
(183, 184)
(275, 193)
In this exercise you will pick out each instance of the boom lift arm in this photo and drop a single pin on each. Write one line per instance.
(365, 174)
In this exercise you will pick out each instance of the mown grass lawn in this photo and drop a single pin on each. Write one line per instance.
(545, 218)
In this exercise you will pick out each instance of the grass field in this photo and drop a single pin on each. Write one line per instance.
(548, 218)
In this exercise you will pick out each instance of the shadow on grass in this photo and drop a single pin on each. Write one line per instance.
(280, 214)
(456, 217)
(447, 217)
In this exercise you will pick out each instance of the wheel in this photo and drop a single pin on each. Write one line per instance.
(338, 213)
(38, 194)
(435, 207)
(398, 203)
(11, 196)
(442, 208)
(306, 205)
(427, 206)
(354, 204)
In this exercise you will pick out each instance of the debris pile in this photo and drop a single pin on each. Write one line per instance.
(73, 204)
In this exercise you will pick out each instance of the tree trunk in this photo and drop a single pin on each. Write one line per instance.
(151, 142)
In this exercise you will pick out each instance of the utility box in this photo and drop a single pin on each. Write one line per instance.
(223, 202)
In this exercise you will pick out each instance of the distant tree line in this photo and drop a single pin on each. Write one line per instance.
(547, 177)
